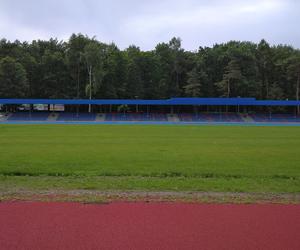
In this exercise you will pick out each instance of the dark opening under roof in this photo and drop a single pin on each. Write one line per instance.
(169, 102)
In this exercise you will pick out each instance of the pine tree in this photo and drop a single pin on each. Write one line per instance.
(193, 87)
(232, 75)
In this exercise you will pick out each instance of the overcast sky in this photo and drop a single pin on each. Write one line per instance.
(146, 23)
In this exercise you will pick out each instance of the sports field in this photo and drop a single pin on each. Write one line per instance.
(150, 158)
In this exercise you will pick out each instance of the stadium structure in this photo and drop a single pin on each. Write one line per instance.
(174, 110)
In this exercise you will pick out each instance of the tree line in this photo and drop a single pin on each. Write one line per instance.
(84, 67)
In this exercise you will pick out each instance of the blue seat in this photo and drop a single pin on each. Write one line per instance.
(29, 116)
(68, 116)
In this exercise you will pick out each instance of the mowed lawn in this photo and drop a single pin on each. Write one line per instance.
(144, 157)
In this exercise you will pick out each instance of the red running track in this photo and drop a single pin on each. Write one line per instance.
(38, 225)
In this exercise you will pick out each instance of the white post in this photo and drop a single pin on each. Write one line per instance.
(90, 78)
(297, 92)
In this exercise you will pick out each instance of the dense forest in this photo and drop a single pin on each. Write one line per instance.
(83, 67)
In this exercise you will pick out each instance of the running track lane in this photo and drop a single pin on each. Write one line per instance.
(42, 225)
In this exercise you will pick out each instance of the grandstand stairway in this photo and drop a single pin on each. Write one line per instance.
(173, 118)
(100, 117)
(4, 117)
(52, 117)
(247, 118)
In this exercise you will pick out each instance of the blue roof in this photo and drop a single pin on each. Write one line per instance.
(172, 101)
(84, 101)
(210, 101)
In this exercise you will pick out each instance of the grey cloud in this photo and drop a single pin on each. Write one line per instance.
(145, 23)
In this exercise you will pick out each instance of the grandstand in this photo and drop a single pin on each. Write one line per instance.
(136, 117)
(208, 110)
(24, 116)
(71, 116)
(210, 117)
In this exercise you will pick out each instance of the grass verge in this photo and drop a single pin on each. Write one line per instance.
(261, 160)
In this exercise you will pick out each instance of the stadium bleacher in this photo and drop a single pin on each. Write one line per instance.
(136, 117)
(68, 116)
(210, 117)
(275, 118)
(28, 116)
(155, 117)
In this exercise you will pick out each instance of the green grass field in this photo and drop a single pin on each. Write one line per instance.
(136, 157)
